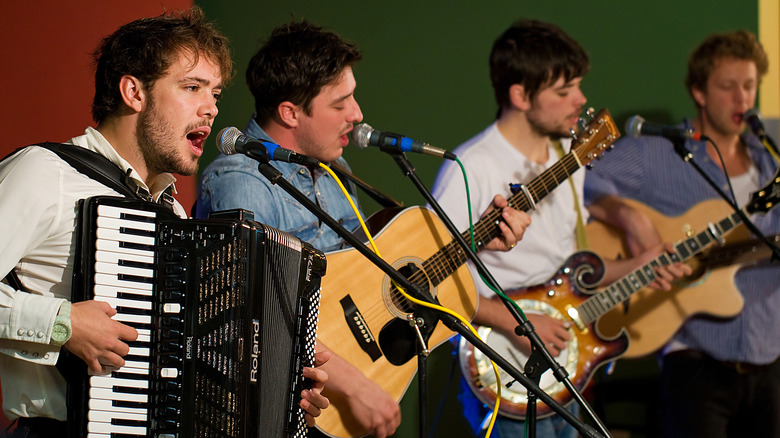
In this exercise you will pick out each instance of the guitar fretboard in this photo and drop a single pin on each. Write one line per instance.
(448, 259)
(621, 290)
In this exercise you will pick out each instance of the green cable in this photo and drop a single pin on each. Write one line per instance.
(474, 245)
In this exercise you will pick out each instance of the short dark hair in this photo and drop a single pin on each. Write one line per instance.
(147, 47)
(294, 64)
(739, 44)
(534, 54)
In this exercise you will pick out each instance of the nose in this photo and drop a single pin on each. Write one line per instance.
(208, 108)
(355, 115)
(745, 95)
(581, 99)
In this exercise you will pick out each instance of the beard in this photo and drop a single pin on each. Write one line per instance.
(555, 132)
(157, 142)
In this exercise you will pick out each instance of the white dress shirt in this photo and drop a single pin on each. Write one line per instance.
(492, 163)
(39, 195)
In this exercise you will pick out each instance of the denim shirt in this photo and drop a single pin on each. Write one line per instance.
(233, 181)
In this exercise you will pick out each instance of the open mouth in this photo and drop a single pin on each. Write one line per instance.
(197, 139)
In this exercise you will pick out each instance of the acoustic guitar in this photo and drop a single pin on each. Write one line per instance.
(364, 319)
(651, 318)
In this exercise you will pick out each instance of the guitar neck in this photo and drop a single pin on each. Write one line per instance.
(738, 252)
(621, 290)
(451, 256)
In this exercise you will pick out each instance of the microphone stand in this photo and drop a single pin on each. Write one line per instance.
(275, 177)
(687, 156)
(540, 359)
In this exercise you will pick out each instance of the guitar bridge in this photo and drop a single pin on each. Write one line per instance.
(359, 328)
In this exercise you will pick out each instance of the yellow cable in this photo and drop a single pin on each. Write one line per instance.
(771, 150)
(419, 302)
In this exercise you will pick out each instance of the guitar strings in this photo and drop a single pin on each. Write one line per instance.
(397, 292)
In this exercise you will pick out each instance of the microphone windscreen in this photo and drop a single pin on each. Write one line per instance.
(752, 113)
(360, 135)
(226, 140)
(634, 126)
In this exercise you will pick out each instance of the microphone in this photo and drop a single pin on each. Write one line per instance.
(753, 119)
(231, 140)
(636, 126)
(364, 135)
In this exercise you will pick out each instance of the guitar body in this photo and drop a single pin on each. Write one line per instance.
(652, 317)
(363, 318)
(379, 310)
(585, 352)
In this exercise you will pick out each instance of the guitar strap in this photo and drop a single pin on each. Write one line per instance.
(579, 228)
(383, 199)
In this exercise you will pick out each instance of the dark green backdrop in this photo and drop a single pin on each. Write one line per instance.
(424, 74)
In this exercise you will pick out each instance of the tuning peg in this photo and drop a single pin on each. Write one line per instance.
(590, 111)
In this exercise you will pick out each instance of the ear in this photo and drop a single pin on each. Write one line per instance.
(288, 113)
(518, 97)
(698, 96)
(133, 93)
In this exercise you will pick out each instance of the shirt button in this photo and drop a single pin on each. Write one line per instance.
(302, 171)
(46, 356)
(41, 334)
(31, 333)
(35, 354)
(24, 352)
(20, 332)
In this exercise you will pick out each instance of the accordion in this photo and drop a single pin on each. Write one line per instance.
(226, 310)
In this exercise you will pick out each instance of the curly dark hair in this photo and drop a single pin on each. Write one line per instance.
(298, 59)
(534, 54)
(147, 47)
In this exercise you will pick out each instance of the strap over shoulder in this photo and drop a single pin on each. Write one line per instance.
(102, 170)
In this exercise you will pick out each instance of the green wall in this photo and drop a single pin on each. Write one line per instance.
(424, 74)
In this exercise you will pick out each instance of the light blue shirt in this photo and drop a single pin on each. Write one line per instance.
(648, 170)
(233, 181)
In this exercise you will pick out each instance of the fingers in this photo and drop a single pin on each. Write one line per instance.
(313, 403)
(127, 333)
(512, 227)
(553, 333)
(318, 377)
(97, 339)
(321, 357)
(508, 237)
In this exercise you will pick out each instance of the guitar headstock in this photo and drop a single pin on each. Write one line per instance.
(595, 137)
(764, 199)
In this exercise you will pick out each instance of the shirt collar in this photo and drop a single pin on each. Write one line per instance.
(94, 141)
(253, 129)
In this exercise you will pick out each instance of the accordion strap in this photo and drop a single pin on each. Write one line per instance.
(102, 170)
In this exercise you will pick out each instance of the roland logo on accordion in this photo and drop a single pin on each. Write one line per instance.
(255, 350)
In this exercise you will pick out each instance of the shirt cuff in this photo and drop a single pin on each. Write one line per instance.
(32, 318)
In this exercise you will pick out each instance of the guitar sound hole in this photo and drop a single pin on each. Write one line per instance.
(416, 276)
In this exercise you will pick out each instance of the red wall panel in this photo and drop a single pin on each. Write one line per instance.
(47, 72)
